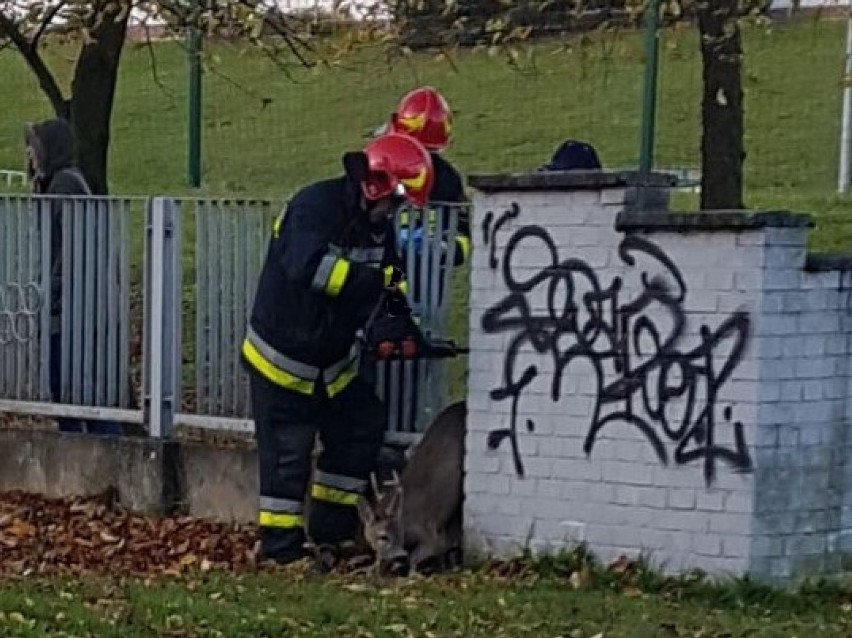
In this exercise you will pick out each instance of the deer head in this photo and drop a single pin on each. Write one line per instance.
(382, 521)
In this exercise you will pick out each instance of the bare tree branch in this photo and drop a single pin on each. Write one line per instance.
(152, 58)
(45, 78)
(46, 21)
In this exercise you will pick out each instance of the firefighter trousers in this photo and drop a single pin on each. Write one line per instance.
(351, 430)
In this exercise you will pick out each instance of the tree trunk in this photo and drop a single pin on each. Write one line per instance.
(93, 92)
(722, 151)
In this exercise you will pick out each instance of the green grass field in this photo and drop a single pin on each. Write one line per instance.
(473, 604)
(506, 120)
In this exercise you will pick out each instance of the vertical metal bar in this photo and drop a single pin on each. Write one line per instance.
(101, 248)
(34, 278)
(174, 347)
(147, 313)
(194, 44)
(44, 210)
(435, 269)
(20, 322)
(213, 299)
(112, 290)
(253, 211)
(411, 264)
(424, 262)
(442, 315)
(88, 319)
(649, 97)
(392, 401)
(201, 291)
(5, 331)
(67, 257)
(123, 219)
(408, 408)
(226, 286)
(78, 318)
(25, 231)
(162, 354)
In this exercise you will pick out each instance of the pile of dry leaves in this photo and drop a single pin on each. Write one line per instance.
(69, 536)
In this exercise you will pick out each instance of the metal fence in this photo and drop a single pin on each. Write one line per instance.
(415, 391)
(65, 329)
(174, 280)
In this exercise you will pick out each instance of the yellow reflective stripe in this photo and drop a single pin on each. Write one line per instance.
(337, 277)
(276, 225)
(403, 286)
(333, 495)
(274, 373)
(343, 379)
(276, 519)
(464, 245)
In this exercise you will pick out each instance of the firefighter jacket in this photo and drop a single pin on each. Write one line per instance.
(448, 190)
(325, 269)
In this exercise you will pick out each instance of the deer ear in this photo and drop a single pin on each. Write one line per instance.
(365, 512)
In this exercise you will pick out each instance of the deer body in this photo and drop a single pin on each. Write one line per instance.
(420, 515)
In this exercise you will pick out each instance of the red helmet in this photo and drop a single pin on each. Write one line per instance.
(398, 165)
(425, 115)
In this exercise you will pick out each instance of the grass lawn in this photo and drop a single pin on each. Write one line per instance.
(278, 604)
(265, 135)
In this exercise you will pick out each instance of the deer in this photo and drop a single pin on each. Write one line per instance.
(419, 515)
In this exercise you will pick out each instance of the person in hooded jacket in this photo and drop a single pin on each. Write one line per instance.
(331, 260)
(51, 153)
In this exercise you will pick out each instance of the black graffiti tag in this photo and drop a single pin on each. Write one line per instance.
(632, 340)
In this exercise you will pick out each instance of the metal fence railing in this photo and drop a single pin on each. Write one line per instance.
(181, 275)
(64, 303)
(415, 390)
(230, 245)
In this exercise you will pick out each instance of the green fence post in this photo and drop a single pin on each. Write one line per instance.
(649, 97)
(194, 44)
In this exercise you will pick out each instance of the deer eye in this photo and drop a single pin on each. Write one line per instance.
(383, 536)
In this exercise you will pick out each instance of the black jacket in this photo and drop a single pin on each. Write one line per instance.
(56, 173)
(448, 188)
(291, 312)
(53, 144)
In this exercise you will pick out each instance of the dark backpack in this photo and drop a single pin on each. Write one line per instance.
(573, 155)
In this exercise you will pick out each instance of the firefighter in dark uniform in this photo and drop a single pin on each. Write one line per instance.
(425, 115)
(331, 255)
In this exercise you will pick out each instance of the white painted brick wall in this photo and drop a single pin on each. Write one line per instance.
(789, 391)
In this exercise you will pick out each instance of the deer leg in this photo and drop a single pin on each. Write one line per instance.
(432, 543)
(452, 557)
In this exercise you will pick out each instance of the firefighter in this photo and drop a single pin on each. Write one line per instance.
(425, 115)
(331, 255)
